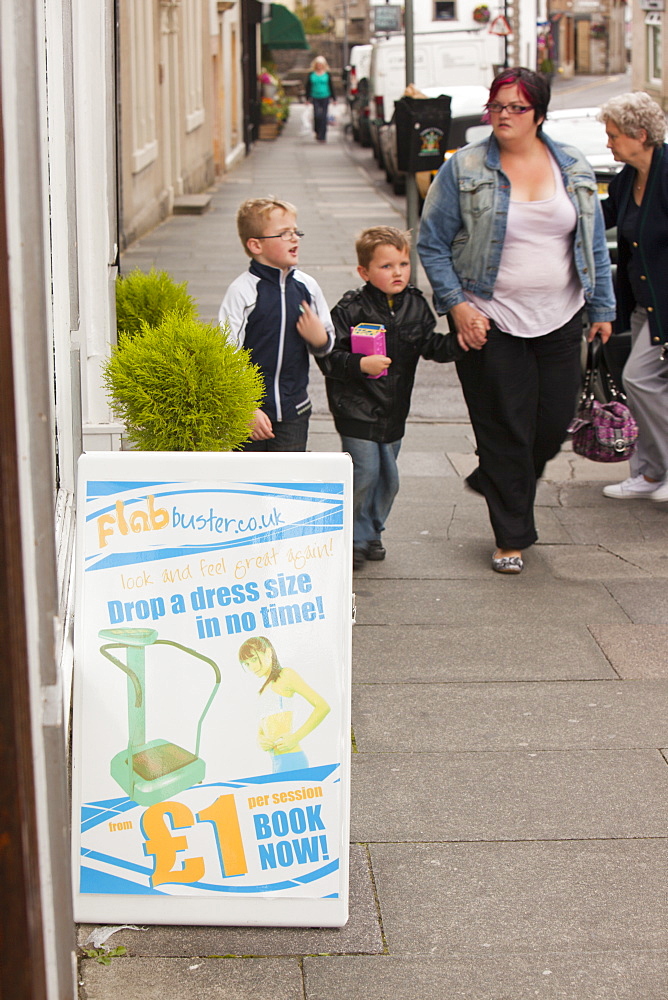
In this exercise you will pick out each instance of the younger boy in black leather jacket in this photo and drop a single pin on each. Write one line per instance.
(370, 412)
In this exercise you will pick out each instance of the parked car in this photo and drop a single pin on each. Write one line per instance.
(359, 114)
(357, 92)
(466, 108)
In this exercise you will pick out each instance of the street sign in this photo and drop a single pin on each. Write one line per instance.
(212, 689)
(387, 17)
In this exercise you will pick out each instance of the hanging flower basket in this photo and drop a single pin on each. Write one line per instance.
(481, 14)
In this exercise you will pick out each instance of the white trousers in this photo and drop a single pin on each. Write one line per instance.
(646, 385)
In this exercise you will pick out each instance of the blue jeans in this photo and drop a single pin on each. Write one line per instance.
(320, 106)
(289, 435)
(375, 485)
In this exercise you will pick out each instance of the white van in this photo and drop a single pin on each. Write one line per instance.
(357, 91)
(357, 69)
(442, 59)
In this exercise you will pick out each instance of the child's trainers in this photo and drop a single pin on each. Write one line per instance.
(635, 488)
(375, 551)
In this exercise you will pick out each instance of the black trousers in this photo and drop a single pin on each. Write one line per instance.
(521, 394)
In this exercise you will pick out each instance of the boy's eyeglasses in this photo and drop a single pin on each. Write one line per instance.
(495, 108)
(286, 235)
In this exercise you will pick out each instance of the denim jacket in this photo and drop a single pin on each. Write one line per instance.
(463, 226)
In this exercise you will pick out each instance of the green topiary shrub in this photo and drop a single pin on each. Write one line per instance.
(183, 386)
(142, 297)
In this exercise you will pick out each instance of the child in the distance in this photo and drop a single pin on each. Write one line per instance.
(370, 412)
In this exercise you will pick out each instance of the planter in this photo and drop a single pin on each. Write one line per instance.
(481, 14)
(268, 130)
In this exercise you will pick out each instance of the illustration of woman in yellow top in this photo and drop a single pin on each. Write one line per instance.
(281, 683)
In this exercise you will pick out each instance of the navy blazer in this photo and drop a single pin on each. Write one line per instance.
(651, 240)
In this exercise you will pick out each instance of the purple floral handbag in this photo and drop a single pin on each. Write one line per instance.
(603, 432)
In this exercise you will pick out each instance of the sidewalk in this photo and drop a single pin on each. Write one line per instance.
(510, 793)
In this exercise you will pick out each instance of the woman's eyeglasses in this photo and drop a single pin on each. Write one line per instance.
(287, 235)
(495, 108)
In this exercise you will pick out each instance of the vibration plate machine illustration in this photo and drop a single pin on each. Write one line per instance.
(154, 771)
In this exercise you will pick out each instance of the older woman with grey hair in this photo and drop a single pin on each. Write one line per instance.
(637, 204)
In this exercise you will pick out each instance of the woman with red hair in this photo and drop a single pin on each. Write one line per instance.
(513, 242)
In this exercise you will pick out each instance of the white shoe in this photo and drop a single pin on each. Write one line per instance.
(635, 488)
(660, 494)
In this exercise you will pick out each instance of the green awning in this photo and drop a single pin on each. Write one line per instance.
(284, 30)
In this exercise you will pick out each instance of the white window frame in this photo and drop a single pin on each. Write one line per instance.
(193, 64)
(653, 25)
(142, 59)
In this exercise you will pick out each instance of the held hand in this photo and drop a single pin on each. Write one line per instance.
(284, 744)
(261, 429)
(265, 743)
(604, 330)
(310, 327)
(374, 364)
(471, 325)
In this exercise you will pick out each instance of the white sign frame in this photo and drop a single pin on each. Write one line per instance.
(138, 536)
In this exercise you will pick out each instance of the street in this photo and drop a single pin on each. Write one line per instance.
(509, 833)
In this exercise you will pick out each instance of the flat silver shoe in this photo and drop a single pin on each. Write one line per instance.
(507, 564)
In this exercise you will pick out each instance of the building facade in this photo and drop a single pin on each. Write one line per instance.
(180, 109)
(649, 61)
(588, 36)
(108, 111)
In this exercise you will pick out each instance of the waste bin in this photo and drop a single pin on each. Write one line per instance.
(423, 127)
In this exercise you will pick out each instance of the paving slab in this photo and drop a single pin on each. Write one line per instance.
(568, 466)
(417, 492)
(585, 494)
(644, 602)
(423, 556)
(614, 525)
(323, 439)
(649, 557)
(439, 521)
(547, 494)
(569, 715)
(472, 899)
(626, 975)
(496, 600)
(361, 935)
(593, 562)
(438, 436)
(384, 654)
(634, 650)
(509, 796)
(425, 463)
(464, 462)
(472, 521)
(185, 979)
(549, 528)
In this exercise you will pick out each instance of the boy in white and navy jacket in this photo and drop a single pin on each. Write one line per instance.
(280, 315)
